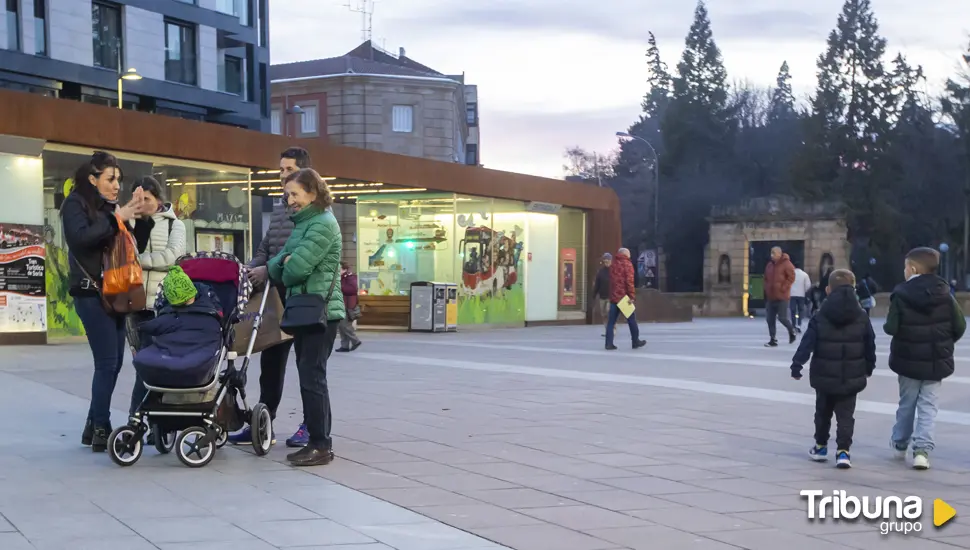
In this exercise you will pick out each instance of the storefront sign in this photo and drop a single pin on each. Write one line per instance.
(568, 275)
(23, 302)
(543, 207)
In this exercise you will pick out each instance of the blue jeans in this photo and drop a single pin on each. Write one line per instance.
(611, 325)
(106, 336)
(917, 408)
(797, 308)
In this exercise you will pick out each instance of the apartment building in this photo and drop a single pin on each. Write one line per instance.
(205, 60)
(372, 99)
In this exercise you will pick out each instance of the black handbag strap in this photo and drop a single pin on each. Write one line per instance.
(77, 262)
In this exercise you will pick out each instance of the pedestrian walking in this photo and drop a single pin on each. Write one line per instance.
(925, 323)
(92, 216)
(621, 288)
(779, 278)
(601, 289)
(272, 361)
(309, 265)
(866, 290)
(348, 329)
(842, 347)
(800, 293)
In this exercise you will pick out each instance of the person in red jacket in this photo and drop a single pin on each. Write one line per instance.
(621, 286)
(779, 278)
(348, 332)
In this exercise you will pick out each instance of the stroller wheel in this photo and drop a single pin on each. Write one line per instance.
(164, 442)
(192, 449)
(124, 446)
(261, 425)
(223, 439)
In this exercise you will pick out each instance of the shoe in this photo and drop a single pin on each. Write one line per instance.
(842, 460)
(355, 346)
(300, 439)
(150, 439)
(819, 453)
(243, 437)
(639, 344)
(798, 330)
(610, 348)
(311, 456)
(772, 344)
(99, 439)
(87, 434)
(898, 454)
(342, 350)
(921, 460)
(792, 337)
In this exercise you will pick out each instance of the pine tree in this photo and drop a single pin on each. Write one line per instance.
(782, 106)
(658, 82)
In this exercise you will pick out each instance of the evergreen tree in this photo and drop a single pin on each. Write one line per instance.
(658, 82)
(782, 106)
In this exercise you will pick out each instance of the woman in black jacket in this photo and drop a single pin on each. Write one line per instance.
(89, 221)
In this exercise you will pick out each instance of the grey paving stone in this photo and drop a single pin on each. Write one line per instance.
(96, 543)
(650, 485)
(251, 544)
(544, 537)
(520, 498)
(476, 516)
(6, 526)
(14, 541)
(620, 460)
(695, 520)
(619, 500)
(723, 503)
(187, 530)
(467, 481)
(68, 527)
(421, 496)
(657, 536)
(743, 487)
(584, 517)
(425, 536)
(305, 533)
(773, 539)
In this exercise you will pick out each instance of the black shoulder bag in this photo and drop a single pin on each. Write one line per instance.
(307, 313)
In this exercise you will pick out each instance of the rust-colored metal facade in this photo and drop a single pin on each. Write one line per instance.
(73, 123)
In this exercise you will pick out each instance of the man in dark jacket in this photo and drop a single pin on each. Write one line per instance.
(601, 288)
(272, 362)
(842, 346)
(348, 332)
(925, 322)
(779, 278)
(621, 289)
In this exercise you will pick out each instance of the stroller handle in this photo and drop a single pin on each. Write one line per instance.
(257, 322)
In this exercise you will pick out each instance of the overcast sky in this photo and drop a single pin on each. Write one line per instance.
(557, 73)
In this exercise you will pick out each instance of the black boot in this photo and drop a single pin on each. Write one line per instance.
(311, 455)
(88, 433)
(772, 343)
(99, 439)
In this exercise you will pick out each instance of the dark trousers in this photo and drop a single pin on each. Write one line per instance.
(106, 337)
(312, 352)
(843, 407)
(777, 310)
(272, 373)
(631, 321)
(798, 310)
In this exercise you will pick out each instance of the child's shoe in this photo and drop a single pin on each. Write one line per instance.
(921, 460)
(898, 454)
(842, 460)
(819, 453)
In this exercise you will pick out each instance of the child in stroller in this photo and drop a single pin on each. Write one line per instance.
(185, 346)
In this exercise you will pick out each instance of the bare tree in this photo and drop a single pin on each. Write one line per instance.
(750, 104)
(588, 166)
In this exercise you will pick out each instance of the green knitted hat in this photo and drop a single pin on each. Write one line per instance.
(178, 287)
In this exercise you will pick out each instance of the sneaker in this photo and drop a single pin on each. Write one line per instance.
(610, 348)
(87, 433)
(99, 439)
(639, 344)
(921, 460)
(311, 456)
(300, 438)
(355, 346)
(772, 344)
(898, 454)
(842, 460)
(342, 350)
(819, 453)
(244, 437)
(792, 337)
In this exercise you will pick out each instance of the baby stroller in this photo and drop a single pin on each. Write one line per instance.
(203, 415)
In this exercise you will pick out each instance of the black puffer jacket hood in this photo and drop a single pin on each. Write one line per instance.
(924, 293)
(842, 307)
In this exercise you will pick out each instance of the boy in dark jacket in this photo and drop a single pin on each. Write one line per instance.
(186, 336)
(842, 346)
(925, 322)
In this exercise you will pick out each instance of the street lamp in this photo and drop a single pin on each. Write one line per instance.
(656, 179)
(130, 74)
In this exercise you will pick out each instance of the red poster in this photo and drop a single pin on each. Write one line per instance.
(567, 274)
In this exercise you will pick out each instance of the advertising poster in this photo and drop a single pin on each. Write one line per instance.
(23, 303)
(568, 274)
(215, 242)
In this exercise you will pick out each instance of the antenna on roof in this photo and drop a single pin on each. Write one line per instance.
(366, 9)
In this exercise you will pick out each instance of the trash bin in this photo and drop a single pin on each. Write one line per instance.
(434, 307)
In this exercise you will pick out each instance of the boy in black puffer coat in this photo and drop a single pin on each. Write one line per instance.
(842, 345)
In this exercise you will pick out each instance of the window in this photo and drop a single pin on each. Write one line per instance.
(402, 118)
(13, 25)
(181, 64)
(238, 8)
(471, 114)
(233, 75)
(309, 120)
(40, 27)
(106, 32)
(471, 154)
(276, 122)
(187, 1)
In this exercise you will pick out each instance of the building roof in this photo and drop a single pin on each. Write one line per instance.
(364, 59)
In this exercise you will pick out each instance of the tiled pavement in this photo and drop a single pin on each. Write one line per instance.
(535, 439)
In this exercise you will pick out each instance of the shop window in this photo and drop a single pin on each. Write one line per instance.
(402, 118)
(574, 282)
(181, 62)
(107, 35)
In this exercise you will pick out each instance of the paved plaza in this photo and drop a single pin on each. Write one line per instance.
(529, 439)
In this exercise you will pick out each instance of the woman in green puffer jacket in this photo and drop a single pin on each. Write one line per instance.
(310, 264)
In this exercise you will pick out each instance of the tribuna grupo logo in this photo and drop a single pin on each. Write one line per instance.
(894, 514)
